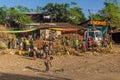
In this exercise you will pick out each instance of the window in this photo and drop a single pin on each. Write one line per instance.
(98, 34)
(91, 34)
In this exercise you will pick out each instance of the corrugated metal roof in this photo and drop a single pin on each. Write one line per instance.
(33, 24)
(58, 25)
(32, 12)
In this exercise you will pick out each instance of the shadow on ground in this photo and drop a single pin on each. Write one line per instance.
(8, 76)
(33, 69)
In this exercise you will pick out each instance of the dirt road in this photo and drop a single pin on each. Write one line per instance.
(67, 67)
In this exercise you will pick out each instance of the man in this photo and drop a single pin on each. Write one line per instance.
(76, 44)
(84, 48)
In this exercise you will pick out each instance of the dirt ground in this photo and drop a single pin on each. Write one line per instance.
(67, 67)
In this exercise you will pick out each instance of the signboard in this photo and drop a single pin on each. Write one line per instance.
(103, 23)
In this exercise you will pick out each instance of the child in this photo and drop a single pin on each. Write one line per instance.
(47, 63)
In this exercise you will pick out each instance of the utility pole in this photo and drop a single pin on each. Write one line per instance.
(91, 18)
(109, 28)
(110, 31)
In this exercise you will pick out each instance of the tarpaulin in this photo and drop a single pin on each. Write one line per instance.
(18, 31)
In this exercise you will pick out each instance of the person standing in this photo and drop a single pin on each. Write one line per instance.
(105, 40)
(27, 43)
(9, 43)
(33, 50)
(67, 41)
(84, 47)
(47, 58)
(13, 43)
(24, 44)
(76, 44)
(50, 44)
(48, 63)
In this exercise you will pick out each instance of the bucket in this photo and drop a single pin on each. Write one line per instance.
(20, 52)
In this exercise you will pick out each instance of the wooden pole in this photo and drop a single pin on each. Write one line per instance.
(91, 18)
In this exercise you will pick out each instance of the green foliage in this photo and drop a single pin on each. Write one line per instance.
(65, 12)
(110, 12)
(59, 13)
(17, 17)
(12, 15)
(39, 9)
(97, 17)
(74, 16)
(22, 9)
(22, 19)
(3, 14)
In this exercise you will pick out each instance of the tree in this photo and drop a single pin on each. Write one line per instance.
(14, 17)
(97, 16)
(61, 12)
(58, 11)
(3, 14)
(65, 12)
(22, 9)
(76, 15)
(110, 12)
(39, 9)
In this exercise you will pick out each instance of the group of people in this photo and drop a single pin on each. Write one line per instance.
(28, 45)
(20, 43)
(66, 41)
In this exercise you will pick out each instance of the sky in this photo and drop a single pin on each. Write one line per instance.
(93, 5)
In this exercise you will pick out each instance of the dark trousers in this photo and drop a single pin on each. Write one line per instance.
(47, 66)
(76, 47)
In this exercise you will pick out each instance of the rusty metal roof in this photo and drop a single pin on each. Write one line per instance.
(32, 13)
(59, 25)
